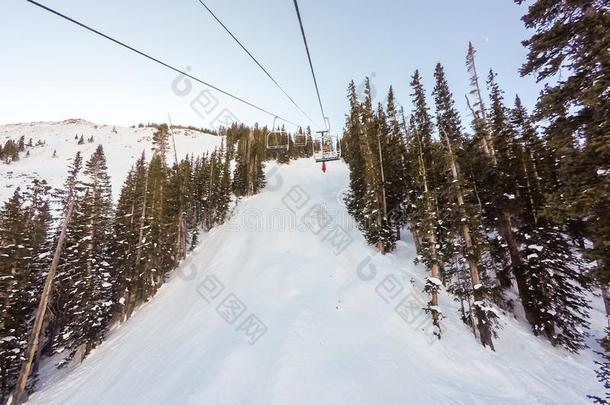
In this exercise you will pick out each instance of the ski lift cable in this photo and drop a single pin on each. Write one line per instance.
(158, 61)
(256, 61)
(315, 81)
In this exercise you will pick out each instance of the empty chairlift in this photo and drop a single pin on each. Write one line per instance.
(278, 138)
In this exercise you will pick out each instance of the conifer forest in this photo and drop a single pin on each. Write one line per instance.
(438, 246)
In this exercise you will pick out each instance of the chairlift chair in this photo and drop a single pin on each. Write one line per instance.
(301, 139)
(277, 138)
(327, 147)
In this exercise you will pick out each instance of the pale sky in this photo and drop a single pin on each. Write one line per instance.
(53, 70)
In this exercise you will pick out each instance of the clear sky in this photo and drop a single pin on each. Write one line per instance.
(52, 70)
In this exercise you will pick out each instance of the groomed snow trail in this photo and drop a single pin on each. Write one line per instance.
(331, 336)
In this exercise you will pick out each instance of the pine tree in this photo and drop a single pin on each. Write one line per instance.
(501, 188)
(396, 171)
(423, 198)
(21, 144)
(478, 109)
(97, 206)
(249, 175)
(10, 151)
(68, 198)
(158, 253)
(131, 238)
(450, 130)
(573, 37)
(24, 223)
(374, 224)
(352, 147)
(161, 141)
(224, 190)
(554, 272)
(84, 291)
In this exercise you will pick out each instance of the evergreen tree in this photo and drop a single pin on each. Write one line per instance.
(573, 37)
(131, 237)
(83, 289)
(10, 151)
(396, 171)
(478, 108)
(554, 271)
(423, 198)
(352, 142)
(24, 248)
(161, 141)
(224, 190)
(97, 206)
(377, 229)
(21, 144)
(248, 175)
(465, 222)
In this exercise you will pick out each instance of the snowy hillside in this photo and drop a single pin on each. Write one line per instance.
(122, 147)
(274, 309)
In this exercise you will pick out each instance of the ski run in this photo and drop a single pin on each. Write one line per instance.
(269, 309)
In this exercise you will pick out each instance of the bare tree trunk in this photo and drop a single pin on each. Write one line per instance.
(181, 234)
(434, 259)
(471, 256)
(383, 214)
(250, 163)
(32, 348)
(476, 194)
(416, 238)
(606, 296)
(487, 139)
(181, 237)
(131, 303)
(484, 141)
(529, 192)
(384, 200)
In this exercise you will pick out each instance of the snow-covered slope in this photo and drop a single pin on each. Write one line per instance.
(332, 332)
(122, 148)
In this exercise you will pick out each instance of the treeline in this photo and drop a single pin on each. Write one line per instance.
(11, 150)
(112, 257)
(81, 140)
(174, 126)
(489, 211)
(506, 205)
(294, 146)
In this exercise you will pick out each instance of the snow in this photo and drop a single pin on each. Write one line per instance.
(435, 281)
(338, 326)
(435, 308)
(122, 149)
